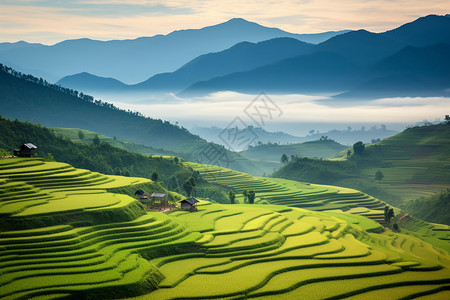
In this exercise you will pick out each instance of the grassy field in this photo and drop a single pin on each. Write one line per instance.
(65, 236)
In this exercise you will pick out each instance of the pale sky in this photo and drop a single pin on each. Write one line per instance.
(51, 21)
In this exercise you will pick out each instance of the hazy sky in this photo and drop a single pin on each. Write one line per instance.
(51, 21)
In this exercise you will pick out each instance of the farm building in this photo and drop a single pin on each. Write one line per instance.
(26, 150)
(159, 197)
(189, 204)
(141, 196)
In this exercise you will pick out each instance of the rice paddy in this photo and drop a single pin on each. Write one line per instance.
(62, 239)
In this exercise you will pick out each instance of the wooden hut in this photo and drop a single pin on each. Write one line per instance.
(26, 150)
(159, 197)
(189, 204)
(141, 196)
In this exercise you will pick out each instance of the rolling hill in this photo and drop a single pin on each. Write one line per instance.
(135, 60)
(414, 164)
(57, 244)
(273, 152)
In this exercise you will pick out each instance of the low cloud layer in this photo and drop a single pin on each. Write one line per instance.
(222, 108)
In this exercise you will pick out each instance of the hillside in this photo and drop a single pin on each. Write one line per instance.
(31, 99)
(87, 83)
(87, 138)
(99, 157)
(414, 164)
(213, 134)
(343, 202)
(126, 252)
(136, 60)
(273, 152)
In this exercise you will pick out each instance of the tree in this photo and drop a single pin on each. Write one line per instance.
(447, 119)
(96, 140)
(284, 159)
(154, 176)
(80, 135)
(358, 148)
(245, 194)
(396, 228)
(386, 212)
(189, 186)
(231, 196)
(379, 176)
(251, 197)
(176, 160)
(312, 131)
(349, 153)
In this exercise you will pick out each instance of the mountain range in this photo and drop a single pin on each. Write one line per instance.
(133, 61)
(410, 60)
(407, 61)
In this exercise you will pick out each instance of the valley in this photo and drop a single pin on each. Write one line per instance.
(236, 160)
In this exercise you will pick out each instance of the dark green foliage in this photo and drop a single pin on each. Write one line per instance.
(154, 176)
(379, 175)
(251, 197)
(434, 209)
(189, 186)
(231, 196)
(284, 159)
(396, 228)
(245, 194)
(80, 135)
(447, 119)
(212, 192)
(102, 158)
(358, 148)
(29, 98)
(96, 140)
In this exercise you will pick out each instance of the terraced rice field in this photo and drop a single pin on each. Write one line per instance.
(337, 200)
(263, 251)
(78, 241)
(62, 234)
(296, 194)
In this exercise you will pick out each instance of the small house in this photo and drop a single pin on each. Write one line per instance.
(158, 197)
(189, 204)
(26, 150)
(141, 196)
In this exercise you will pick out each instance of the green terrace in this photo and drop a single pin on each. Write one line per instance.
(297, 194)
(63, 239)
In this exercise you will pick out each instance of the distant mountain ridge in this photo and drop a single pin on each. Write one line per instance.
(133, 61)
(351, 61)
(241, 57)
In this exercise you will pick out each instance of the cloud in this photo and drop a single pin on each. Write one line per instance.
(221, 108)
